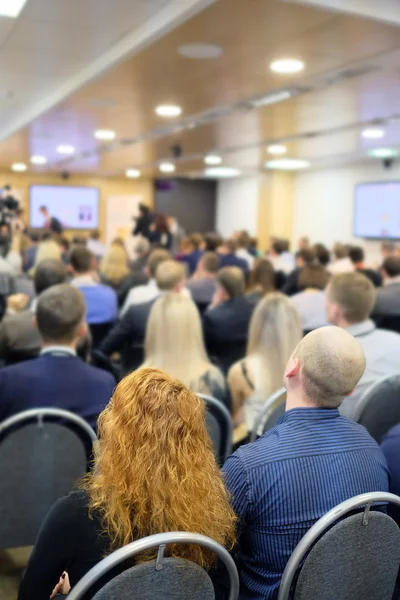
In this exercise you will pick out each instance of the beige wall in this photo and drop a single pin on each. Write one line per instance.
(275, 207)
(111, 186)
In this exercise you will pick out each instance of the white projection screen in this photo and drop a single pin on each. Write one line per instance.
(377, 210)
(76, 207)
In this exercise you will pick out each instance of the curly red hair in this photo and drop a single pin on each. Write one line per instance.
(155, 470)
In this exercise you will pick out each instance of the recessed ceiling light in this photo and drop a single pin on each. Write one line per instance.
(373, 133)
(167, 167)
(222, 172)
(277, 149)
(213, 159)
(383, 152)
(36, 159)
(200, 51)
(65, 149)
(11, 8)
(168, 110)
(19, 167)
(287, 164)
(105, 134)
(132, 173)
(287, 66)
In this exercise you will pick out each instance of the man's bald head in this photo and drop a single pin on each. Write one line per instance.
(327, 364)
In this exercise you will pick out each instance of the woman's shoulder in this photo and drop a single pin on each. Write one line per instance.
(76, 502)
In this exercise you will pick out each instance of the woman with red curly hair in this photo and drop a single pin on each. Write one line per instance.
(154, 471)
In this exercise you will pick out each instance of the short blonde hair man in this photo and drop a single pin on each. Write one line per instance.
(350, 298)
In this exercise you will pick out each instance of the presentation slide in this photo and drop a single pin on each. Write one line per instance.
(75, 207)
(377, 210)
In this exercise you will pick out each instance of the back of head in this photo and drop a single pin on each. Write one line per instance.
(114, 264)
(356, 254)
(212, 241)
(231, 245)
(322, 254)
(50, 272)
(34, 237)
(231, 279)
(95, 234)
(155, 259)
(210, 262)
(280, 246)
(388, 248)
(196, 240)
(340, 250)
(354, 293)
(262, 277)
(169, 274)
(81, 260)
(391, 266)
(60, 313)
(47, 250)
(142, 246)
(313, 277)
(332, 363)
(307, 255)
(243, 239)
(170, 445)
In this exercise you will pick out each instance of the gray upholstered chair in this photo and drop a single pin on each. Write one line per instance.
(273, 409)
(161, 579)
(379, 408)
(352, 558)
(43, 452)
(220, 427)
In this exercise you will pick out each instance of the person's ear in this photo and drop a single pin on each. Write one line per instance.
(34, 322)
(83, 330)
(293, 368)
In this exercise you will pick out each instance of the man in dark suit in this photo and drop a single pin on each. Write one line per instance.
(128, 335)
(304, 258)
(357, 257)
(388, 297)
(51, 223)
(228, 258)
(226, 322)
(58, 378)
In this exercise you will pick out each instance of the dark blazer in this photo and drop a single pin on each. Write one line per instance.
(388, 300)
(55, 225)
(57, 382)
(127, 336)
(231, 260)
(226, 330)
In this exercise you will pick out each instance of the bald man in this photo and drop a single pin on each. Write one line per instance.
(312, 460)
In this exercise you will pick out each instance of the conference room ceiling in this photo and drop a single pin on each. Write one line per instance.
(233, 105)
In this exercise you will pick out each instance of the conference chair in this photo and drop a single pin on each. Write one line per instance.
(273, 409)
(43, 453)
(390, 322)
(157, 579)
(99, 332)
(220, 427)
(379, 407)
(351, 558)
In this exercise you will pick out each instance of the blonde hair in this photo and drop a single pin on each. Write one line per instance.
(114, 264)
(169, 273)
(155, 470)
(47, 250)
(275, 331)
(174, 340)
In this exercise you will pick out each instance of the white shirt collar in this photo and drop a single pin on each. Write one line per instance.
(56, 349)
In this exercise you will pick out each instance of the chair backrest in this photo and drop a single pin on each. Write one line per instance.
(219, 426)
(99, 332)
(138, 578)
(43, 453)
(351, 559)
(379, 408)
(390, 322)
(273, 409)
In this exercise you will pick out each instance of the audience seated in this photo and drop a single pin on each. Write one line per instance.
(274, 333)
(212, 241)
(31, 251)
(391, 449)
(101, 300)
(262, 280)
(322, 254)
(58, 378)
(310, 302)
(193, 252)
(243, 243)
(341, 262)
(154, 472)
(357, 257)
(115, 272)
(311, 461)
(127, 336)
(150, 291)
(388, 249)
(95, 246)
(280, 257)
(19, 337)
(226, 322)
(174, 343)
(48, 249)
(350, 300)
(142, 253)
(202, 285)
(387, 302)
(304, 258)
(304, 243)
(227, 254)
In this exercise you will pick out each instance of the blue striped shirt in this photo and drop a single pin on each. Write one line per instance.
(283, 483)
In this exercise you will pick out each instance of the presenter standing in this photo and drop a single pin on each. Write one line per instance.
(51, 223)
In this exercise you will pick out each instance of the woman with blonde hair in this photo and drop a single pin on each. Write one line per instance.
(48, 249)
(154, 472)
(174, 343)
(275, 331)
(114, 266)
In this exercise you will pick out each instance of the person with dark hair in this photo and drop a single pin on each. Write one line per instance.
(322, 254)
(281, 258)
(159, 234)
(228, 258)
(341, 261)
(101, 300)
(304, 258)
(243, 243)
(51, 224)
(203, 285)
(95, 246)
(58, 378)
(357, 257)
(310, 301)
(212, 241)
(30, 253)
(387, 302)
(194, 252)
(143, 221)
(262, 280)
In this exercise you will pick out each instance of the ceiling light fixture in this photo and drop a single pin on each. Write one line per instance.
(11, 8)
(383, 152)
(287, 66)
(287, 164)
(217, 172)
(19, 167)
(167, 167)
(270, 99)
(36, 159)
(105, 134)
(132, 173)
(200, 51)
(373, 133)
(213, 159)
(168, 110)
(277, 149)
(65, 149)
